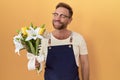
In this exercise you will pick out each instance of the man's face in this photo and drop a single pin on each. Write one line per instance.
(61, 18)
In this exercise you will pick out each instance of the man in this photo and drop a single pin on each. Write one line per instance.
(64, 49)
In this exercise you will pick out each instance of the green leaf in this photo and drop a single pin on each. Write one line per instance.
(27, 46)
(18, 31)
(31, 24)
(43, 26)
(38, 41)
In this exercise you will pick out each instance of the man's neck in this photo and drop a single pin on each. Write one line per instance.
(61, 34)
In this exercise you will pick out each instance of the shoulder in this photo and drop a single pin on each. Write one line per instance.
(77, 36)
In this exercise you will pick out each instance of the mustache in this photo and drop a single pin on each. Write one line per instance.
(57, 21)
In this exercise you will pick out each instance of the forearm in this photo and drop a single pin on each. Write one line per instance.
(85, 72)
(84, 67)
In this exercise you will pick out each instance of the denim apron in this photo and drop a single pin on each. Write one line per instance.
(60, 63)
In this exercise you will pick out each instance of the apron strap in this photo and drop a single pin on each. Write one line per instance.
(49, 40)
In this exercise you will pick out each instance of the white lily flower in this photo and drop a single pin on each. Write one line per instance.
(33, 34)
(18, 44)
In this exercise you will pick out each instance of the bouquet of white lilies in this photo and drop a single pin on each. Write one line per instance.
(30, 38)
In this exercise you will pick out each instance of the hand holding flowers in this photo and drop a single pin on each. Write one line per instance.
(30, 38)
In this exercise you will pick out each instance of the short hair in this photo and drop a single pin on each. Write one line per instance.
(61, 4)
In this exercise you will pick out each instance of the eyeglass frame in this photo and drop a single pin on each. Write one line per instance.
(61, 15)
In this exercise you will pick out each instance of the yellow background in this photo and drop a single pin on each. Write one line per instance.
(97, 20)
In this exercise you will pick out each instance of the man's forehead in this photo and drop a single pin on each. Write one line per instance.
(62, 10)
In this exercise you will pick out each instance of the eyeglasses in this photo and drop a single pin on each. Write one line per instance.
(61, 15)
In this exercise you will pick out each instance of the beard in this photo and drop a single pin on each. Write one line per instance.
(57, 24)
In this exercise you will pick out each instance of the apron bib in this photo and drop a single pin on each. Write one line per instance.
(61, 64)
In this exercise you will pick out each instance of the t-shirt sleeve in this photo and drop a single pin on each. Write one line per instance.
(83, 47)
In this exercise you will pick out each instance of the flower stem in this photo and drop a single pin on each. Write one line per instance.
(31, 47)
(37, 44)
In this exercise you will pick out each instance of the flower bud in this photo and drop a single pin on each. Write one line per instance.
(23, 29)
(42, 30)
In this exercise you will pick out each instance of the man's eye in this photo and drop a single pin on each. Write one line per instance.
(63, 16)
(55, 14)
